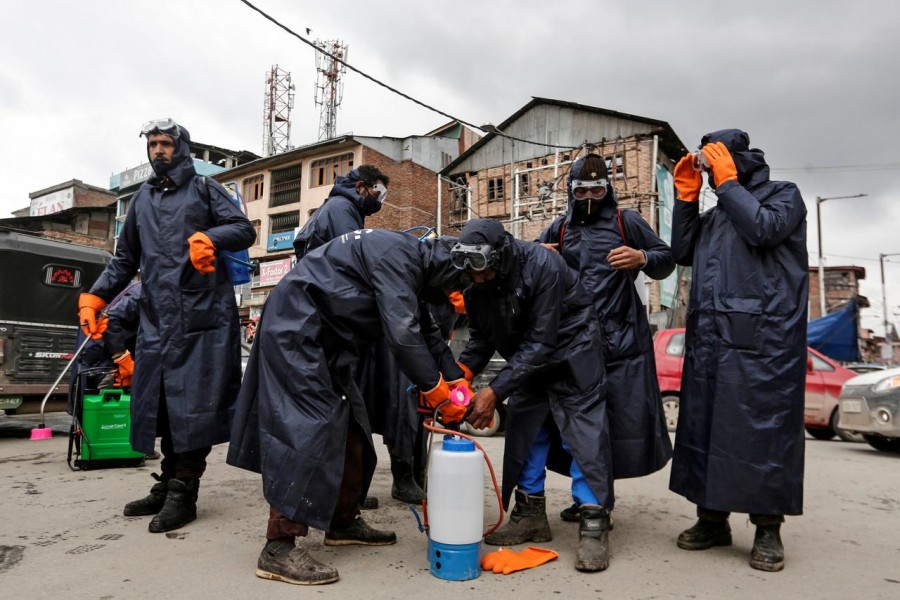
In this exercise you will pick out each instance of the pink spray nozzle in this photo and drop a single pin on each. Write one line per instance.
(460, 395)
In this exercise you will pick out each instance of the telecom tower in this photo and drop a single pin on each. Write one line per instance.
(277, 112)
(329, 87)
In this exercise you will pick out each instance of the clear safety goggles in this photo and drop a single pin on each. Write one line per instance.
(595, 189)
(476, 258)
(380, 192)
(165, 126)
(698, 161)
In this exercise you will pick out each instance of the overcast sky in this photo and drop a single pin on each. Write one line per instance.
(817, 87)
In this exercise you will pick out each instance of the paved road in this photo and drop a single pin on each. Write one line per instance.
(63, 535)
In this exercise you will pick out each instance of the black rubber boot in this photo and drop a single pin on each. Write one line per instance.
(527, 523)
(768, 551)
(359, 533)
(571, 514)
(593, 539)
(292, 564)
(151, 503)
(405, 488)
(711, 529)
(180, 507)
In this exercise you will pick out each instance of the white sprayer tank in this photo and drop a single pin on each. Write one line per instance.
(455, 508)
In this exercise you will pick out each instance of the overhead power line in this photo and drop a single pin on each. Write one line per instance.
(338, 59)
(839, 168)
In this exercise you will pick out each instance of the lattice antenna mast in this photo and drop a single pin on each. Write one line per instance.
(329, 86)
(277, 112)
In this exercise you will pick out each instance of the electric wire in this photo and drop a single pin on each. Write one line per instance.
(492, 130)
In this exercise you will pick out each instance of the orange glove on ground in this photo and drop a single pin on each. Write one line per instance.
(687, 181)
(508, 561)
(88, 307)
(721, 163)
(203, 253)
(456, 299)
(126, 369)
(467, 372)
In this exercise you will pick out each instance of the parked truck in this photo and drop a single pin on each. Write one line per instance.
(40, 280)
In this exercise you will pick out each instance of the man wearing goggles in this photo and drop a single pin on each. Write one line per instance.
(608, 247)
(527, 305)
(189, 324)
(740, 421)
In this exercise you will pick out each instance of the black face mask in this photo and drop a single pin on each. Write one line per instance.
(161, 167)
(589, 210)
(370, 204)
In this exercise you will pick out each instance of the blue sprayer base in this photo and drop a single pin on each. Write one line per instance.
(454, 562)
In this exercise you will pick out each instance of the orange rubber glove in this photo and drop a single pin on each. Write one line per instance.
(508, 561)
(126, 369)
(467, 372)
(203, 253)
(437, 394)
(721, 163)
(88, 307)
(687, 181)
(459, 304)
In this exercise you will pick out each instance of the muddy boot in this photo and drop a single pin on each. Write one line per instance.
(280, 561)
(359, 533)
(405, 488)
(150, 504)
(768, 551)
(180, 507)
(527, 523)
(711, 529)
(593, 538)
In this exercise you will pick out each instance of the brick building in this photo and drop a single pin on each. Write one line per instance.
(282, 191)
(841, 285)
(73, 211)
(522, 182)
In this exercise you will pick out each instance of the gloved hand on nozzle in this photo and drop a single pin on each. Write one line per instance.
(439, 396)
(88, 307)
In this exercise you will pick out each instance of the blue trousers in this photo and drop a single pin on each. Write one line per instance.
(534, 473)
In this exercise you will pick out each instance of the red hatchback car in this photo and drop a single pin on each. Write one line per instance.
(824, 379)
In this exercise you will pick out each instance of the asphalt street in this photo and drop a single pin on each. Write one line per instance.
(63, 535)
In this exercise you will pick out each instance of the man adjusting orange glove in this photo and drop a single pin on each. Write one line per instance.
(203, 252)
(507, 561)
(88, 307)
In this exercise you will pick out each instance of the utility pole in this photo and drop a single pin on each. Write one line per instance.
(887, 350)
(819, 200)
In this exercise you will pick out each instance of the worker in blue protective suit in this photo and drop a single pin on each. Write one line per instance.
(301, 421)
(739, 442)
(526, 304)
(188, 346)
(608, 247)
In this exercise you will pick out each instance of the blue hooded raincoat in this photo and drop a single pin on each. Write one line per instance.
(640, 440)
(739, 442)
(188, 344)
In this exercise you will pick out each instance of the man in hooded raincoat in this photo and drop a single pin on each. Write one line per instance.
(608, 247)
(526, 304)
(188, 346)
(301, 420)
(358, 195)
(739, 442)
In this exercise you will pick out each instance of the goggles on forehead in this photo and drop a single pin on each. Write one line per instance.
(165, 126)
(473, 257)
(596, 189)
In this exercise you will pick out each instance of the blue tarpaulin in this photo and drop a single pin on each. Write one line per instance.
(835, 335)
